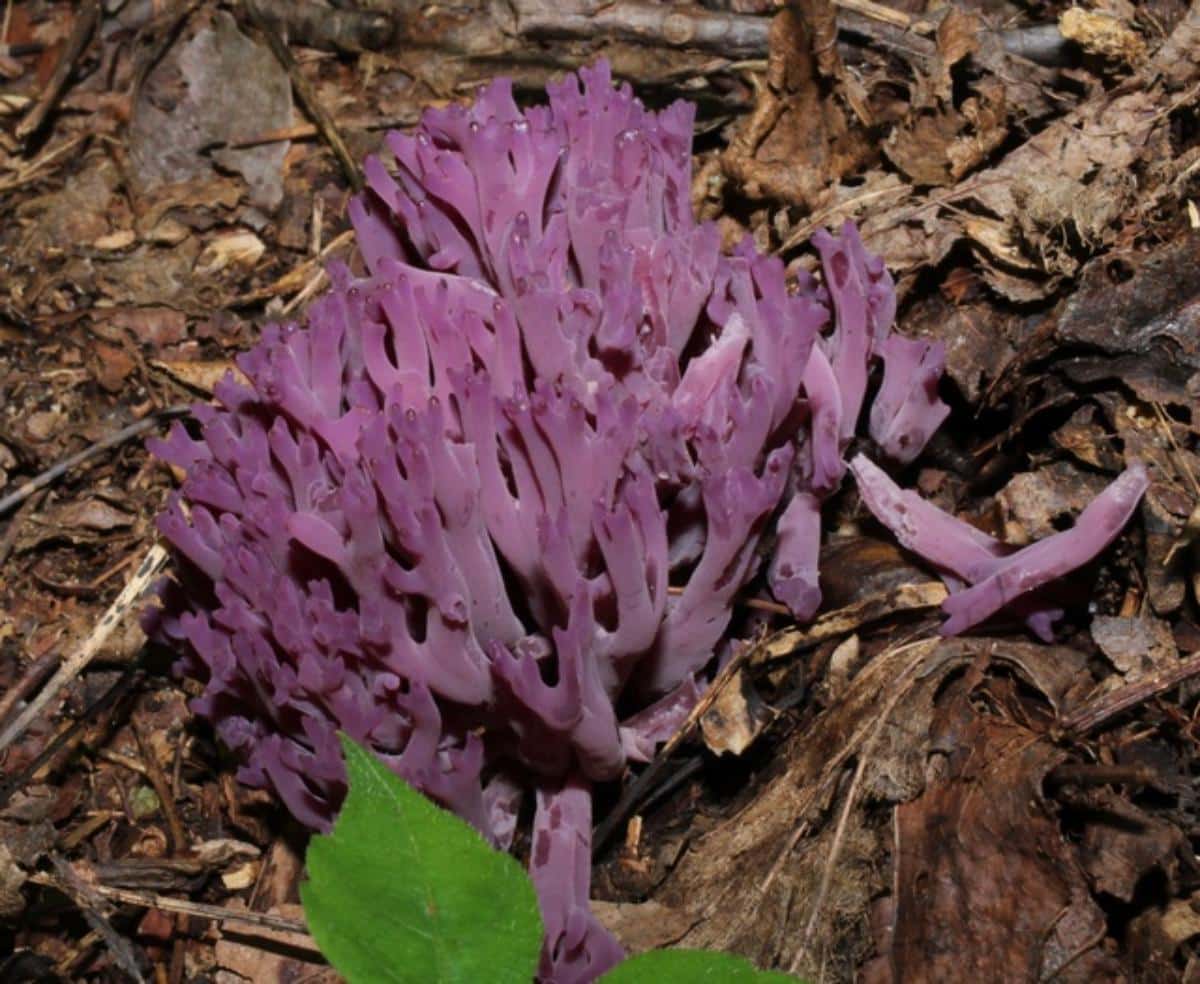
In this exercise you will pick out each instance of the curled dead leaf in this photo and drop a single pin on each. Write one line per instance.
(735, 718)
(113, 241)
(237, 249)
(12, 880)
(200, 375)
(1102, 34)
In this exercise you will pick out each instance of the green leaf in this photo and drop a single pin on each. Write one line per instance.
(402, 890)
(691, 967)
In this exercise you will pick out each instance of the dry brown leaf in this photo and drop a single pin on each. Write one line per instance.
(1121, 843)
(199, 375)
(111, 365)
(1035, 504)
(115, 241)
(794, 120)
(1138, 646)
(985, 878)
(235, 249)
(788, 830)
(12, 880)
(1102, 34)
(1069, 184)
(735, 719)
(89, 514)
(642, 926)
(1086, 439)
(272, 956)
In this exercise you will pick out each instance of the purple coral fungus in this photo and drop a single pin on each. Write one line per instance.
(444, 514)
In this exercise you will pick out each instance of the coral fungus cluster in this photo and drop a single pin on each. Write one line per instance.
(513, 477)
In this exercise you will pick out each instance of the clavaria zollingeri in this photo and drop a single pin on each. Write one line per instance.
(444, 515)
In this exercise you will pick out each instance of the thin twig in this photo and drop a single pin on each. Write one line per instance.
(1097, 712)
(314, 24)
(149, 900)
(762, 604)
(645, 22)
(886, 15)
(9, 540)
(299, 277)
(70, 736)
(307, 131)
(802, 828)
(166, 27)
(85, 26)
(55, 472)
(908, 598)
(124, 761)
(80, 950)
(149, 569)
(1184, 466)
(636, 789)
(1090, 943)
(307, 292)
(86, 587)
(1101, 774)
(31, 678)
(91, 905)
(162, 788)
(25, 174)
(902, 685)
(307, 95)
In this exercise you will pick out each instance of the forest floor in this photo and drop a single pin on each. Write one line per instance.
(863, 800)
